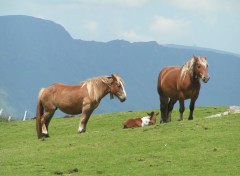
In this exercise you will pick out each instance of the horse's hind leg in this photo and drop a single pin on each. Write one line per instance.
(45, 120)
(170, 108)
(49, 119)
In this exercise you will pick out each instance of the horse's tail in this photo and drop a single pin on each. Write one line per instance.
(39, 114)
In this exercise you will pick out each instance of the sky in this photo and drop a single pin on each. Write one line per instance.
(211, 24)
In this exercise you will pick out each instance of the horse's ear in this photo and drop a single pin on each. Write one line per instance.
(195, 58)
(150, 114)
(114, 76)
(204, 57)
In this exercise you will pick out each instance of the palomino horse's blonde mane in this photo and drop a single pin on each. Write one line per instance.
(94, 85)
(189, 66)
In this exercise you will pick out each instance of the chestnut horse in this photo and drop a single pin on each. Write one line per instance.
(76, 99)
(141, 121)
(181, 83)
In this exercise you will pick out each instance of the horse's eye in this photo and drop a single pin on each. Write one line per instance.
(119, 86)
(199, 66)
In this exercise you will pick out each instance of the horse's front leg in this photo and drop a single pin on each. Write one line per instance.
(170, 108)
(86, 113)
(182, 107)
(191, 107)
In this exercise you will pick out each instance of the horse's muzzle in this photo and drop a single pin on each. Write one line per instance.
(123, 99)
(205, 79)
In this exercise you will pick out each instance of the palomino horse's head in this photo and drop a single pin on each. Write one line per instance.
(201, 68)
(117, 88)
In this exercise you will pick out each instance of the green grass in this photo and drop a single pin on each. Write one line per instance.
(199, 147)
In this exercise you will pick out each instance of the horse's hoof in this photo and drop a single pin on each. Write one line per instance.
(45, 135)
(82, 131)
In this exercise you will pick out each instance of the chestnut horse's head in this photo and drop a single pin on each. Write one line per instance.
(201, 68)
(153, 117)
(117, 88)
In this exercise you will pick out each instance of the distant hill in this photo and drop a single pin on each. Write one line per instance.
(35, 53)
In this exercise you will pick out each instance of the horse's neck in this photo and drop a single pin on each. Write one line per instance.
(190, 79)
(153, 117)
(193, 77)
(104, 90)
(195, 80)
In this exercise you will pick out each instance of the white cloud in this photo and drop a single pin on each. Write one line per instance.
(199, 5)
(208, 6)
(132, 3)
(91, 25)
(162, 26)
(124, 3)
(167, 30)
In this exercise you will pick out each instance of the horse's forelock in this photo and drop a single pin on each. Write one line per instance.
(119, 79)
(121, 82)
(203, 61)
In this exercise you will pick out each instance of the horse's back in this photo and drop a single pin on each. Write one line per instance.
(60, 87)
(68, 98)
(167, 80)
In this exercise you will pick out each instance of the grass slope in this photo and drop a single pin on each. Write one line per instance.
(199, 147)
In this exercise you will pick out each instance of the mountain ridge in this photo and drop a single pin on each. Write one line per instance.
(39, 53)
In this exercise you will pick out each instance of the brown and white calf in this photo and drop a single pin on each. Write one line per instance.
(141, 121)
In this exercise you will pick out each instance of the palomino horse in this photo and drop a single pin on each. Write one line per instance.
(181, 83)
(141, 121)
(76, 99)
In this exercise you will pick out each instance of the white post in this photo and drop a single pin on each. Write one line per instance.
(1, 112)
(24, 117)
(9, 118)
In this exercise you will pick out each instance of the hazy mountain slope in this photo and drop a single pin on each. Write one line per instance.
(35, 53)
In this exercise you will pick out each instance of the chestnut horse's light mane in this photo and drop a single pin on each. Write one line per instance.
(94, 84)
(187, 68)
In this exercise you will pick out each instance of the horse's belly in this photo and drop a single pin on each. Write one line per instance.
(167, 84)
(71, 110)
(171, 92)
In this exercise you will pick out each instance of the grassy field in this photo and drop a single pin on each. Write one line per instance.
(199, 147)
